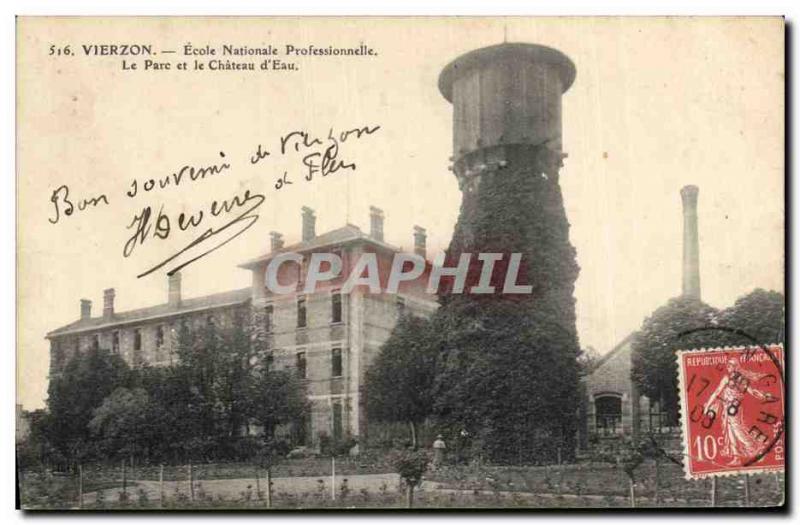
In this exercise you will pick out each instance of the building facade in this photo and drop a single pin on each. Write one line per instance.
(327, 337)
(612, 406)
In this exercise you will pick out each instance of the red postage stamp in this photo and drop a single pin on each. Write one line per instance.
(732, 410)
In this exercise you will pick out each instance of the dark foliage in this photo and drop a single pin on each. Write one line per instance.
(508, 376)
(399, 383)
(683, 323)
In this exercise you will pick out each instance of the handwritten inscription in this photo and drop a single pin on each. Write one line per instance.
(61, 199)
(321, 155)
(147, 228)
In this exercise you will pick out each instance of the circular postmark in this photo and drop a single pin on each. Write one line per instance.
(732, 404)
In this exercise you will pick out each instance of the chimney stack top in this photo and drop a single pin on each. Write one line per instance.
(174, 289)
(275, 241)
(108, 303)
(309, 223)
(376, 223)
(86, 309)
(420, 241)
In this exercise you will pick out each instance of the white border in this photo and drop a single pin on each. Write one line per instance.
(791, 8)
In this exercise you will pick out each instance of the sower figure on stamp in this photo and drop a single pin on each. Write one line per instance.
(738, 443)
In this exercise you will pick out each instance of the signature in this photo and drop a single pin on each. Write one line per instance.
(146, 227)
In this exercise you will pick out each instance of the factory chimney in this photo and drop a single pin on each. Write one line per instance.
(691, 247)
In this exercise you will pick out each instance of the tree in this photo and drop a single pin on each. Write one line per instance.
(588, 359)
(683, 323)
(400, 381)
(122, 421)
(85, 382)
(278, 397)
(757, 318)
(411, 466)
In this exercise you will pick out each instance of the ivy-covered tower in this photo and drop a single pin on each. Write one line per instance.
(508, 373)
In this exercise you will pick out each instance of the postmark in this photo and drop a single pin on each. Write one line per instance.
(732, 410)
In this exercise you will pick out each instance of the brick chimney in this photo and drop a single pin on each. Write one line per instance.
(86, 309)
(420, 241)
(309, 224)
(108, 304)
(275, 241)
(376, 223)
(691, 248)
(174, 289)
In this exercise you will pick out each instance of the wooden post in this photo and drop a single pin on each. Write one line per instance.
(191, 482)
(161, 484)
(124, 480)
(333, 478)
(632, 492)
(657, 495)
(80, 486)
(747, 490)
(410, 496)
(258, 485)
(269, 487)
(714, 491)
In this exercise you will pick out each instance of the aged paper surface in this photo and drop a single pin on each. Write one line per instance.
(634, 165)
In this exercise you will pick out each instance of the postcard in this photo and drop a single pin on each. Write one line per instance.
(273, 263)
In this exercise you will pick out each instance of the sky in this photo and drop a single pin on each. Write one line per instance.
(656, 104)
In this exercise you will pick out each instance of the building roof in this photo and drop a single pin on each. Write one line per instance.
(517, 52)
(346, 234)
(614, 351)
(194, 304)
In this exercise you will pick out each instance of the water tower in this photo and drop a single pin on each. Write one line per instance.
(505, 96)
(507, 153)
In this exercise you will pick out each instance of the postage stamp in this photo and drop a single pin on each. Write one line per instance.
(732, 410)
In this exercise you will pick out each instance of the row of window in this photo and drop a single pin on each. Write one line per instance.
(301, 363)
(302, 311)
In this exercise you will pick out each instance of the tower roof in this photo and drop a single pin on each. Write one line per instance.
(519, 51)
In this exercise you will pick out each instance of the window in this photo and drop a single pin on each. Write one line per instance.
(115, 342)
(301, 364)
(137, 347)
(336, 362)
(96, 342)
(268, 319)
(337, 421)
(159, 336)
(269, 360)
(336, 307)
(608, 414)
(301, 312)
